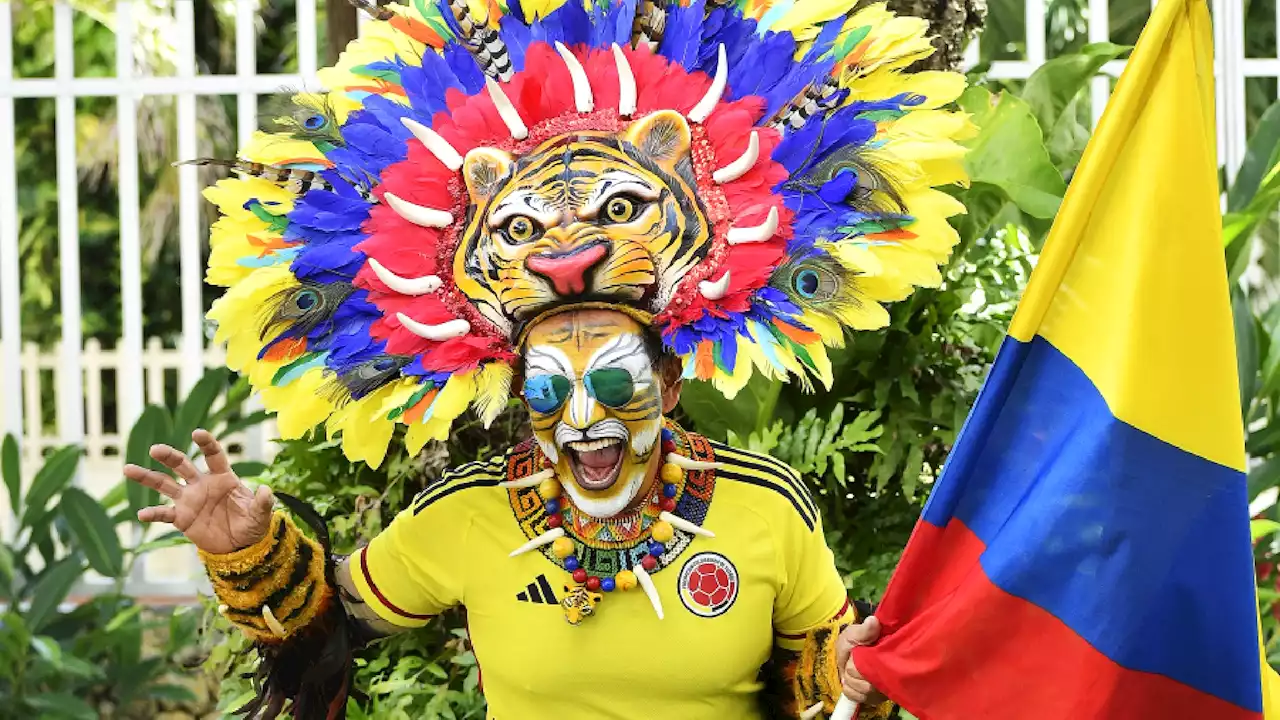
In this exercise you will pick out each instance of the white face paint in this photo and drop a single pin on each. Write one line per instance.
(596, 406)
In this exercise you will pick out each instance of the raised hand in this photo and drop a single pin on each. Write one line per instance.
(215, 510)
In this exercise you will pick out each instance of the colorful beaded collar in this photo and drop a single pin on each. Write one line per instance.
(634, 546)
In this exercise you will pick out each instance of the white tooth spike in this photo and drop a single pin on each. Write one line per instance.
(681, 461)
(755, 233)
(529, 480)
(506, 110)
(646, 583)
(438, 146)
(272, 623)
(438, 333)
(582, 97)
(811, 712)
(545, 538)
(417, 214)
(403, 285)
(715, 290)
(626, 83)
(742, 165)
(681, 524)
(222, 609)
(702, 110)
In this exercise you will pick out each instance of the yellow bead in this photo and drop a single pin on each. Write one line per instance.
(562, 547)
(549, 489)
(625, 580)
(662, 531)
(672, 473)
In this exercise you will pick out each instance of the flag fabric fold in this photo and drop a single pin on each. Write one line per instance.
(1086, 552)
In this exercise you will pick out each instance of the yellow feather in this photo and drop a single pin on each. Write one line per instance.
(237, 313)
(493, 391)
(299, 406)
(365, 429)
(803, 16)
(937, 87)
(279, 149)
(730, 384)
(457, 394)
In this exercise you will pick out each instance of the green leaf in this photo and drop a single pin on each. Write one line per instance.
(11, 469)
(51, 589)
(194, 410)
(1009, 152)
(53, 476)
(1260, 157)
(153, 427)
(1261, 528)
(94, 532)
(62, 706)
(714, 415)
(245, 421)
(6, 572)
(1246, 347)
(1052, 92)
(249, 468)
(173, 538)
(172, 693)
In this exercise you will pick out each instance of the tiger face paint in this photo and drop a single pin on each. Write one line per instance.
(584, 216)
(596, 406)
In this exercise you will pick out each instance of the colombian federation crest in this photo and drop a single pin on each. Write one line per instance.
(708, 584)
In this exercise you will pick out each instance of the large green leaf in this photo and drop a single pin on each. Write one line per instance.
(1259, 158)
(193, 412)
(1053, 92)
(51, 589)
(62, 705)
(1009, 152)
(1238, 227)
(94, 532)
(55, 475)
(11, 469)
(750, 411)
(154, 426)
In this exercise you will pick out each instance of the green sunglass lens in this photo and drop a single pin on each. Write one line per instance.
(612, 387)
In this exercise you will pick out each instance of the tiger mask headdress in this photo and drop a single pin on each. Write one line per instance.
(608, 217)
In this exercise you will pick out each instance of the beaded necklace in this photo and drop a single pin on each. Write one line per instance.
(635, 545)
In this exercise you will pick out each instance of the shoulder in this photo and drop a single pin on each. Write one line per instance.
(765, 481)
(464, 483)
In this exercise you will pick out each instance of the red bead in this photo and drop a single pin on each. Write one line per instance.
(555, 520)
(649, 563)
(593, 583)
(668, 504)
(668, 446)
(579, 575)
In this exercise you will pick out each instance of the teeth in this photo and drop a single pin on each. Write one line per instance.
(593, 445)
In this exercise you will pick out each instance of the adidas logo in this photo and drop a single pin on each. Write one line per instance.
(538, 591)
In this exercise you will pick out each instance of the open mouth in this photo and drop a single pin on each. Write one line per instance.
(595, 463)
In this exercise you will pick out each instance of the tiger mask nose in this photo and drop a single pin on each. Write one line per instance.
(567, 270)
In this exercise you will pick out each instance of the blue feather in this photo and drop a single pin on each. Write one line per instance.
(683, 35)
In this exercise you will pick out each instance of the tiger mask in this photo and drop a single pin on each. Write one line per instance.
(584, 217)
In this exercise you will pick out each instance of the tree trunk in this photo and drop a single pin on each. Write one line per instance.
(341, 26)
(952, 23)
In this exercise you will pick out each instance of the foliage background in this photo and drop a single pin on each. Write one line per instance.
(870, 448)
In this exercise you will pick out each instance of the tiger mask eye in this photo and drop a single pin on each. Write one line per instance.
(621, 209)
(521, 229)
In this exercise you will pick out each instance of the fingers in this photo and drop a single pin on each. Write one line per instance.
(175, 461)
(865, 632)
(854, 686)
(158, 513)
(155, 480)
(214, 456)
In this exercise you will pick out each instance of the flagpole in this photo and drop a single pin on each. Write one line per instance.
(845, 709)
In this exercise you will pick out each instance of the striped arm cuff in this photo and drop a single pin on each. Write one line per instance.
(273, 588)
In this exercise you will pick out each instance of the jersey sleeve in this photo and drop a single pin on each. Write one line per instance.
(811, 591)
(418, 566)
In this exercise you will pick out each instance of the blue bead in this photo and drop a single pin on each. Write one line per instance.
(656, 548)
(667, 435)
(607, 584)
(571, 563)
(552, 505)
(669, 490)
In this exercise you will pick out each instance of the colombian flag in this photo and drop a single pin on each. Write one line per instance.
(1086, 552)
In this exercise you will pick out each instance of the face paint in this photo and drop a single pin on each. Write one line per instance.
(596, 405)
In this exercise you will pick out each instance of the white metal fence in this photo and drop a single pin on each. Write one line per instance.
(138, 363)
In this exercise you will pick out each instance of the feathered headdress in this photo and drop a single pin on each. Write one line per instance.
(369, 286)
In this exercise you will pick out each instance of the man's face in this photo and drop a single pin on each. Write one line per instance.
(596, 405)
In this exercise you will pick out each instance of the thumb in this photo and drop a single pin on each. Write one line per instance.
(865, 632)
(263, 501)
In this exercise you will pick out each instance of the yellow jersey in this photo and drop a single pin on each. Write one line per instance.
(766, 575)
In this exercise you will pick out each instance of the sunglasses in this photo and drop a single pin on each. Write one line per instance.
(611, 387)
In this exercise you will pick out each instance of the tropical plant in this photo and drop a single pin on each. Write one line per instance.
(100, 657)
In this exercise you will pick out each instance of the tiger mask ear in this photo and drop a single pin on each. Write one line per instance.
(485, 169)
(663, 136)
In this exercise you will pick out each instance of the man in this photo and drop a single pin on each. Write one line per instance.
(761, 554)
(601, 200)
